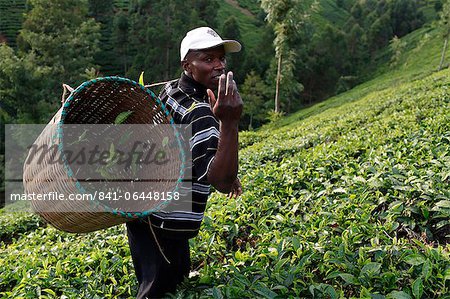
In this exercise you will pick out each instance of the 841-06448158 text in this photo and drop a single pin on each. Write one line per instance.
(102, 196)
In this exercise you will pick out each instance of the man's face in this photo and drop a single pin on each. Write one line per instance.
(206, 66)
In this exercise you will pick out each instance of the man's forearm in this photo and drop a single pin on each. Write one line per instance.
(224, 167)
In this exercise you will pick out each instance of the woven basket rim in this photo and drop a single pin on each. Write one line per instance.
(69, 171)
(112, 78)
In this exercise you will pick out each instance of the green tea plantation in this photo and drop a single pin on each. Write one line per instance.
(347, 202)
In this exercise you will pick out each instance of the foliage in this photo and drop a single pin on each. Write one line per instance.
(4, 119)
(444, 23)
(349, 202)
(11, 20)
(251, 28)
(340, 41)
(288, 19)
(107, 56)
(397, 47)
(337, 199)
(122, 38)
(252, 5)
(444, 20)
(156, 30)
(57, 43)
(59, 35)
(257, 103)
(235, 61)
(60, 265)
(347, 198)
(14, 224)
(20, 79)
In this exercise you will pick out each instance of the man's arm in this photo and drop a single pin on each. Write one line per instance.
(228, 109)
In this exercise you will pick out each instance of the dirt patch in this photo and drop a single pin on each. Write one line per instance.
(235, 4)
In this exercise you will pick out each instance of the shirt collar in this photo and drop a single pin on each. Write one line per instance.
(192, 87)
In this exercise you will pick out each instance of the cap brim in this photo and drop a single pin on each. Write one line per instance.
(231, 46)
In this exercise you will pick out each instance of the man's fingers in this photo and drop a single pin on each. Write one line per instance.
(230, 84)
(211, 98)
(222, 87)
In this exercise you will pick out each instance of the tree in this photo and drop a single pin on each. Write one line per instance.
(287, 18)
(121, 41)
(256, 95)
(236, 61)
(259, 58)
(380, 33)
(445, 25)
(406, 16)
(357, 11)
(24, 88)
(438, 5)
(60, 35)
(207, 11)
(397, 47)
(107, 56)
(357, 46)
(328, 63)
(57, 45)
(157, 27)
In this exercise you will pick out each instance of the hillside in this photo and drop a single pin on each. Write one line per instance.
(420, 57)
(350, 202)
(249, 27)
(347, 198)
(11, 19)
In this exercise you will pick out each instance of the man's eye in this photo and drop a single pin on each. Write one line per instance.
(208, 59)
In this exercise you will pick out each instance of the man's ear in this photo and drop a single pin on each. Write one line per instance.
(186, 66)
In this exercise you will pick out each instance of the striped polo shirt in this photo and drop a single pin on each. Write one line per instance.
(188, 103)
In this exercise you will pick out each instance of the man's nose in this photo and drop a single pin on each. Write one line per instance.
(220, 64)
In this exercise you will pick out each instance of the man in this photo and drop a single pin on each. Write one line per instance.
(159, 247)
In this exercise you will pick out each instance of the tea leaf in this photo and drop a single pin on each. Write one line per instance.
(371, 269)
(427, 269)
(417, 288)
(165, 141)
(348, 278)
(122, 117)
(398, 295)
(414, 259)
(141, 79)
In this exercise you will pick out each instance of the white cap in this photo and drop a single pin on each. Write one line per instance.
(205, 38)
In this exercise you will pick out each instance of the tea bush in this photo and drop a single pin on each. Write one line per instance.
(351, 202)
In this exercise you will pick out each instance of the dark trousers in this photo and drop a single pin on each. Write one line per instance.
(156, 277)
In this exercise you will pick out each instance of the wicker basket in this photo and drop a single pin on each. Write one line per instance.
(98, 101)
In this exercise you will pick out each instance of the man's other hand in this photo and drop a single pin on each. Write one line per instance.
(236, 189)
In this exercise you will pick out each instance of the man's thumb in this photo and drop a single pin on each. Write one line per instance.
(211, 98)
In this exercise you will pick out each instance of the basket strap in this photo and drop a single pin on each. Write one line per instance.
(156, 240)
(159, 83)
(66, 88)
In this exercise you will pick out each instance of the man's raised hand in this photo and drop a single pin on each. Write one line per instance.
(228, 105)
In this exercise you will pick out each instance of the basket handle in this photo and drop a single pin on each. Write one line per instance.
(159, 83)
(66, 88)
